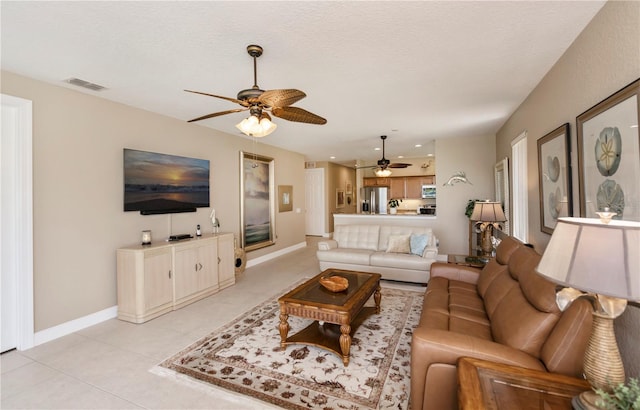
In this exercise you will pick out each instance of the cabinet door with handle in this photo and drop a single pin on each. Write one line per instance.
(158, 279)
(196, 269)
(144, 283)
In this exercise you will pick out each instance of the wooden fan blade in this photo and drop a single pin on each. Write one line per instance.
(297, 115)
(217, 114)
(399, 165)
(281, 98)
(243, 103)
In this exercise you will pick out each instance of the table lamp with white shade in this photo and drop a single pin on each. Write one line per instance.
(487, 216)
(598, 259)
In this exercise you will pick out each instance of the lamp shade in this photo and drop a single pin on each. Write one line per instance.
(592, 256)
(257, 127)
(488, 212)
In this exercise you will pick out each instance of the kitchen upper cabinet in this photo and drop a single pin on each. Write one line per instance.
(375, 181)
(428, 180)
(397, 188)
(402, 187)
(414, 187)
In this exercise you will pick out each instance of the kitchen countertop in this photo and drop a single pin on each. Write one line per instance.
(402, 214)
(408, 219)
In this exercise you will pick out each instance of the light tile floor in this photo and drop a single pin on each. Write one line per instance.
(107, 365)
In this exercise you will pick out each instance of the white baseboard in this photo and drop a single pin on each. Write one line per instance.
(275, 254)
(75, 325)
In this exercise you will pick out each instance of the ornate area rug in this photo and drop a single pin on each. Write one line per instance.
(245, 357)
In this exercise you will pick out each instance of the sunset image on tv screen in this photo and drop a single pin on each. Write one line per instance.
(159, 182)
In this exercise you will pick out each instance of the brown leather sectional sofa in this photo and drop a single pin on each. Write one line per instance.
(505, 313)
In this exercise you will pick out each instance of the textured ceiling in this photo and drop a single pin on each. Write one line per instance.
(415, 71)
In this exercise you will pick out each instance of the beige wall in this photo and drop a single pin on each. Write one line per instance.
(603, 59)
(475, 156)
(336, 177)
(78, 192)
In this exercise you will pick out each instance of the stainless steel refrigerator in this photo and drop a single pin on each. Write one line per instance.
(377, 198)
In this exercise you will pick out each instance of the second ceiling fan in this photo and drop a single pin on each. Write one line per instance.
(384, 163)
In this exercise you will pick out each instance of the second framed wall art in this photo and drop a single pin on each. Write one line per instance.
(554, 177)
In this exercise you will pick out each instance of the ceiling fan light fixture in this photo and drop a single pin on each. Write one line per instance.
(382, 173)
(255, 127)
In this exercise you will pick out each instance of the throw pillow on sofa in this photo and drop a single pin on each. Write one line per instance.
(417, 244)
(399, 244)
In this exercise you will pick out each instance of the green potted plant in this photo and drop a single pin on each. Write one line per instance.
(393, 204)
(470, 205)
(623, 396)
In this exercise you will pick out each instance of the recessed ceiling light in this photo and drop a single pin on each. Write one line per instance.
(377, 149)
(332, 157)
(418, 145)
(429, 155)
(400, 156)
(634, 126)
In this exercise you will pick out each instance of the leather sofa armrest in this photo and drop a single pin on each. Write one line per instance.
(455, 272)
(327, 245)
(433, 348)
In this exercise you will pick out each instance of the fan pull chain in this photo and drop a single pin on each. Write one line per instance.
(255, 155)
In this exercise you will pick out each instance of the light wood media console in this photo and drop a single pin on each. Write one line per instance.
(158, 278)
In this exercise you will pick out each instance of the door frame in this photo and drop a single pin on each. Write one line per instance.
(319, 171)
(21, 143)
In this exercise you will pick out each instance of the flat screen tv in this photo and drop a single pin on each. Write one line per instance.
(161, 184)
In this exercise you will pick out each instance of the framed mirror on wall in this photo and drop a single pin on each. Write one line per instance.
(501, 173)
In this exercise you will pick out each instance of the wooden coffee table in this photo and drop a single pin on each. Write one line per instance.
(336, 315)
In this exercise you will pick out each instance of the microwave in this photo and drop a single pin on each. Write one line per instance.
(428, 191)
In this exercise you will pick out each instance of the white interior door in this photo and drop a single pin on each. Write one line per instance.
(16, 224)
(314, 202)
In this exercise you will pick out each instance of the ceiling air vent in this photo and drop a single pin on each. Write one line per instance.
(84, 84)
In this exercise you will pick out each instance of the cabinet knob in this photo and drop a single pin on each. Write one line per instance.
(169, 273)
(219, 260)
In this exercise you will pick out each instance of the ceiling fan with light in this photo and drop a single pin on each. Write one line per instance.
(259, 102)
(382, 168)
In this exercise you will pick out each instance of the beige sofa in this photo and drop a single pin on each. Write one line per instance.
(504, 313)
(382, 249)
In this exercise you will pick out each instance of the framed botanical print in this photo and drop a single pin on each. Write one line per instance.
(501, 175)
(554, 177)
(256, 201)
(609, 155)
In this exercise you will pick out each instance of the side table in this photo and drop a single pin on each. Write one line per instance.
(488, 385)
(468, 260)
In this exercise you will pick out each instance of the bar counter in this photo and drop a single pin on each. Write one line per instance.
(399, 219)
